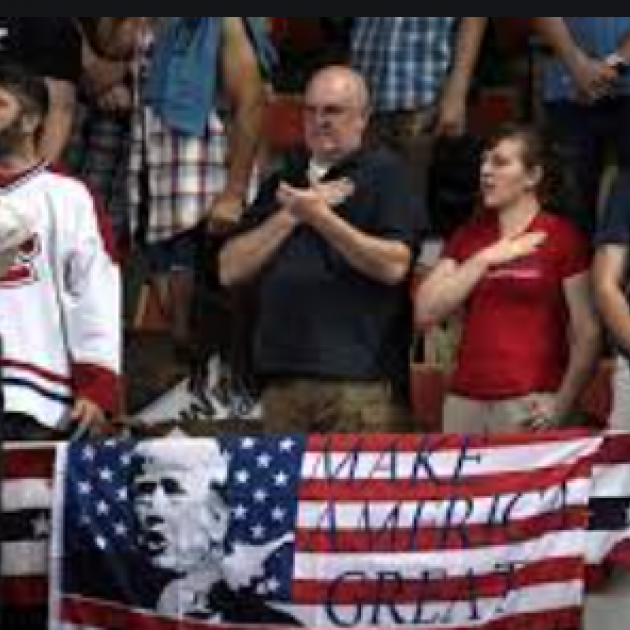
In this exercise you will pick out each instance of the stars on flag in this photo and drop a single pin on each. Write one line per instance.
(263, 494)
(101, 476)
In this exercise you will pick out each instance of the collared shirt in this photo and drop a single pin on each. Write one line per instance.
(598, 36)
(319, 317)
(404, 59)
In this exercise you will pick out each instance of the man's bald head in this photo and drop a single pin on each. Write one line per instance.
(336, 112)
(343, 80)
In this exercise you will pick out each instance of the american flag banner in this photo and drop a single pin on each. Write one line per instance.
(609, 506)
(427, 532)
(25, 524)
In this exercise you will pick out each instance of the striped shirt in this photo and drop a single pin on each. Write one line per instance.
(404, 59)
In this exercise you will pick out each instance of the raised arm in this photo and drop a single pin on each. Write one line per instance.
(449, 284)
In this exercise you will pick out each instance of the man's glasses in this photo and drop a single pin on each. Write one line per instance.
(331, 110)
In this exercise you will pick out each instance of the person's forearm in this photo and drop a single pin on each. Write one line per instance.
(381, 259)
(467, 47)
(615, 311)
(593, 77)
(243, 142)
(244, 256)
(584, 352)
(245, 92)
(57, 127)
(441, 295)
(609, 282)
(623, 48)
(555, 33)
(55, 136)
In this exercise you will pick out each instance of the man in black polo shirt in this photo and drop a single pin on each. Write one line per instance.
(330, 241)
(51, 48)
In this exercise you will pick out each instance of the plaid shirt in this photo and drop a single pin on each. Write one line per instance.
(182, 174)
(98, 152)
(404, 59)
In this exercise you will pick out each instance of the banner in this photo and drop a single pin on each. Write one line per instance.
(211, 395)
(608, 542)
(424, 532)
(25, 524)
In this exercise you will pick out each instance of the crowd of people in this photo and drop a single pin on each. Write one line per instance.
(163, 119)
(143, 136)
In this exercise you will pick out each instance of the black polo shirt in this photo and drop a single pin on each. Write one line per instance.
(320, 317)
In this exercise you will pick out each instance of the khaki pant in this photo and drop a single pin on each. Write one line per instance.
(467, 416)
(312, 405)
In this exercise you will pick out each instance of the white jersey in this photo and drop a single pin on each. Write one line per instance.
(60, 303)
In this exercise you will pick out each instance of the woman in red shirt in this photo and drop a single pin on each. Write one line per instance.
(519, 275)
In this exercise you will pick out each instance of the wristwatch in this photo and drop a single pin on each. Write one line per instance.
(618, 62)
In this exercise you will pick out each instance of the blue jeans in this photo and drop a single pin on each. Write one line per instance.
(588, 136)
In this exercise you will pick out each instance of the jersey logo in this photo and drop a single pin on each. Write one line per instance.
(23, 270)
